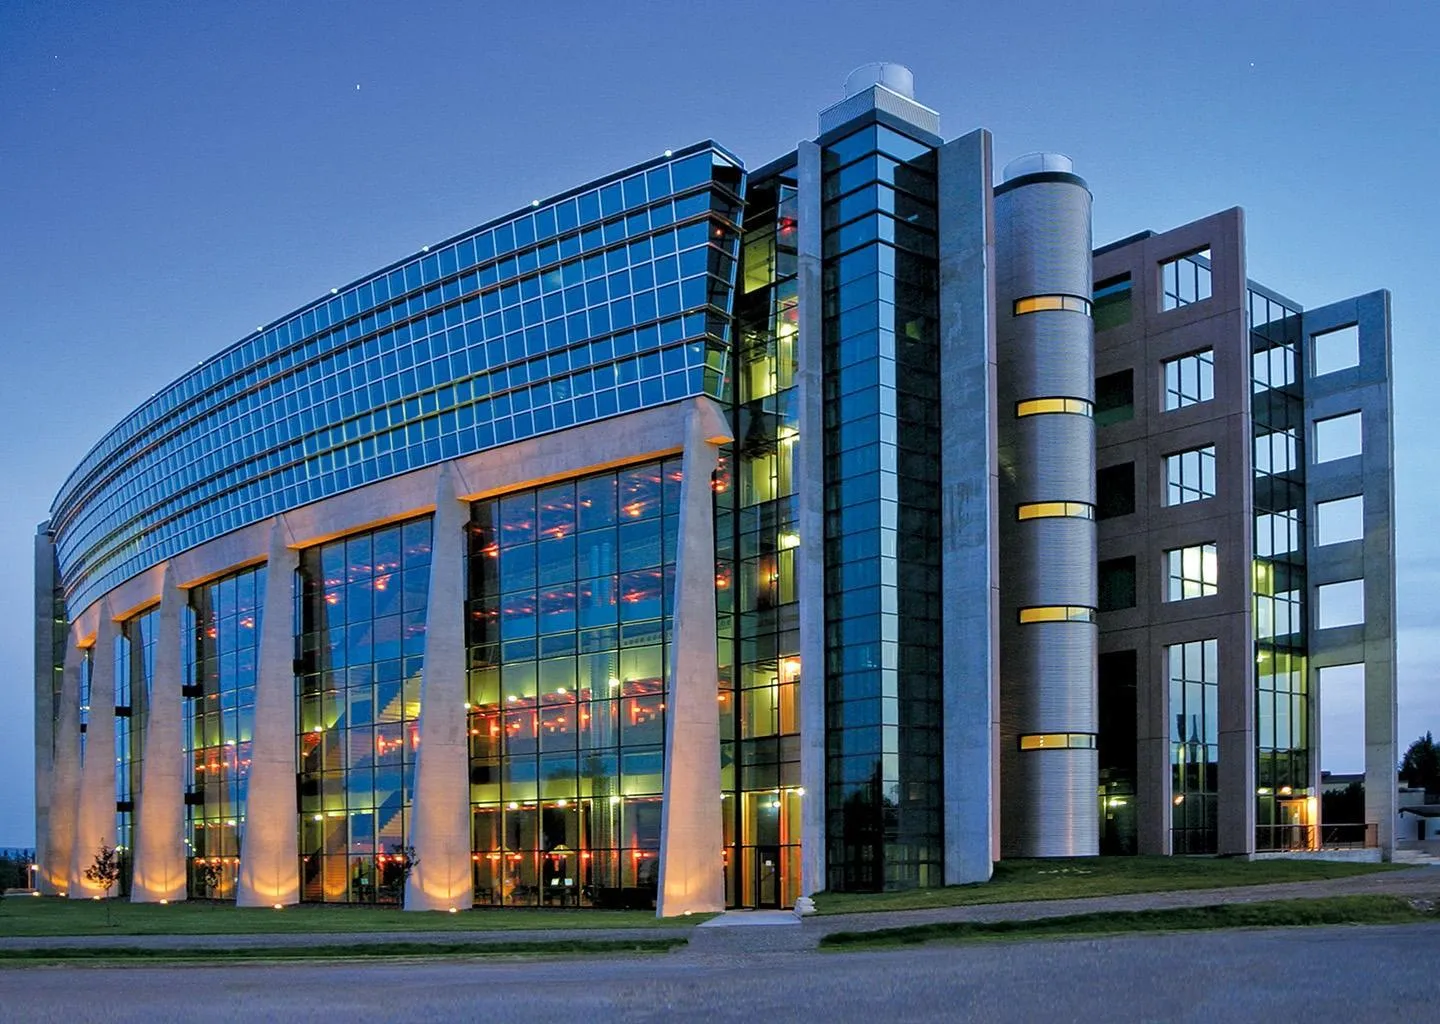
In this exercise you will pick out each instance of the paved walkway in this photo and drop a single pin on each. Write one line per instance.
(771, 931)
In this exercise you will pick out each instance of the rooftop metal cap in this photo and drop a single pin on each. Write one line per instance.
(1037, 163)
(882, 86)
(895, 77)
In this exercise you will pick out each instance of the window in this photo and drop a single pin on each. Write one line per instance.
(1277, 533)
(1057, 613)
(1190, 476)
(1342, 717)
(1114, 398)
(1039, 406)
(1335, 350)
(1117, 583)
(1340, 520)
(1189, 380)
(1276, 614)
(1340, 604)
(1115, 491)
(1185, 279)
(1111, 302)
(1060, 740)
(1272, 367)
(1338, 437)
(1194, 673)
(1275, 452)
(1037, 303)
(1056, 510)
(1191, 572)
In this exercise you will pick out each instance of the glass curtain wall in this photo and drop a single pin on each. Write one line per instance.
(757, 588)
(361, 623)
(1285, 802)
(569, 603)
(222, 655)
(134, 675)
(882, 428)
(1193, 669)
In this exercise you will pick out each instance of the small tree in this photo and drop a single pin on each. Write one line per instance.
(104, 871)
(1421, 765)
(395, 871)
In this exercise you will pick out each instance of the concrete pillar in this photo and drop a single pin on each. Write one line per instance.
(1382, 752)
(64, 778)
(270, 846)
(159, 859)
(810, 493)
(691, 834)
(970, 497)
(442, 877)
(95, 819)
(44, 696)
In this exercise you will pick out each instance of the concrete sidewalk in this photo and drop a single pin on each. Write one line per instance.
(750, 932)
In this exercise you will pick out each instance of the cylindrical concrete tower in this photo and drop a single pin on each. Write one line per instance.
(1048, 638)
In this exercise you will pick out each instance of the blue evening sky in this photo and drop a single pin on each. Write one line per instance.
(174, 173)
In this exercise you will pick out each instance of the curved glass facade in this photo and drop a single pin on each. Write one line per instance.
(221, 658)
(570, 598)
(609, 298)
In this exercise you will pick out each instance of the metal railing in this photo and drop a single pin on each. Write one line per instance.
(1295, 838)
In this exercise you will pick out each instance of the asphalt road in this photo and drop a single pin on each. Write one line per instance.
(1350, 974)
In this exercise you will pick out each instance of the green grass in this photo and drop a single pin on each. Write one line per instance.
(1025, 880)
(141, 955)
(1270, 914)
(31, 916)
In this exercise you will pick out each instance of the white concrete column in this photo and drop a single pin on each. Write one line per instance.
(691, 834)
(270, 846)
(54, 874)
(1382, 751)
(442, 877)
(810, 494)
(95, 820)
(159, 859)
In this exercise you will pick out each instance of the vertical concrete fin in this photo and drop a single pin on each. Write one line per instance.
(95, 821)
(691, 834)
(969, 503)
(44, 695)
(810, 570)
(159, 859)
(65, 776)
(269, 846)
(440, 814)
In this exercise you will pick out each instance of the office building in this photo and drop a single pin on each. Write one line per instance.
(709, 536)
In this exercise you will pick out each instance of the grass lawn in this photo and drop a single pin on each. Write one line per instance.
(143, 956)
(1024, 880)
(1271, 914)
(32, 916)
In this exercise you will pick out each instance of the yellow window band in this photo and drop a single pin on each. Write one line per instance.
(1040, 303)
(1058, 613)
(1039, 406)
(1058, 740)
(1055, 510)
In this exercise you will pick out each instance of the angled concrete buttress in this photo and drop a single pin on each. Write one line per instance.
(269, 846)
(442, 876)
(691, 833)
(65, 776)
(95, 820)
(159, 860)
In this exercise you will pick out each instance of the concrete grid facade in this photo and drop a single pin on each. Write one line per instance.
(708, 537)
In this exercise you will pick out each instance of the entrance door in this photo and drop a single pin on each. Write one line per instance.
(767, 877)
(1299, 830)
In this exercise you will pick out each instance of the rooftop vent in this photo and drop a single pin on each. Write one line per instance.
(888, 88)
(1037, 163)
(895, 77)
